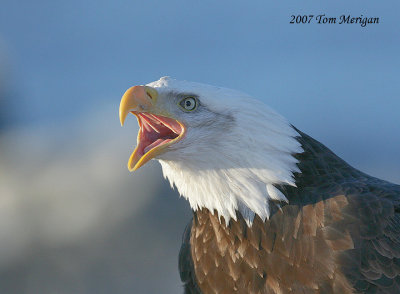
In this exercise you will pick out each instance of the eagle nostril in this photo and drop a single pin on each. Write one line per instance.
(149, 94)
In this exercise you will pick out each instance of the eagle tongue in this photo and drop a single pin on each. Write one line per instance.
(154, 144)
(172, 124)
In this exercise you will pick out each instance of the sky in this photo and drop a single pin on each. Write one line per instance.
(332, 81)
(65, 65)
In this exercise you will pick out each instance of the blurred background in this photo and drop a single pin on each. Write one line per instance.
(72, 218)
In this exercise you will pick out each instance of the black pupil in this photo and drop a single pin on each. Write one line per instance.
(188, 103)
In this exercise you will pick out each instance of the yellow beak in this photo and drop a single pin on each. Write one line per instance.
(141, 101)
(141, 97)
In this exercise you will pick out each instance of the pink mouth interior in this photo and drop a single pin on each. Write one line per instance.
(155, 130)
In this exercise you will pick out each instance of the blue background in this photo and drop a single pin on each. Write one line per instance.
(63, 69)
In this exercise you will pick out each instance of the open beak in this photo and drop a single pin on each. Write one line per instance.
(156, 132)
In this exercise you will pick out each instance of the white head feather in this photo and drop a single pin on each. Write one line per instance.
(234, 152)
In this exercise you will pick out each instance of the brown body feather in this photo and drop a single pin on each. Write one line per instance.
(340, 233)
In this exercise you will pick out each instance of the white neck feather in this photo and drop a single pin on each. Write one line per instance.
(238, 170)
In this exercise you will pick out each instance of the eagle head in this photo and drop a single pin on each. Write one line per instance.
(222, 149)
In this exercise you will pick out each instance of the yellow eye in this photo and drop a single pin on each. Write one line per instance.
(188, 103)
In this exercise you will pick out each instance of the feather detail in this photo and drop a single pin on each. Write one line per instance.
(234, 152)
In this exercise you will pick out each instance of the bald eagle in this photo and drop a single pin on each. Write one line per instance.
(274, 211)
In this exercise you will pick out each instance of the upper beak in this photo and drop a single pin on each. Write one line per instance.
(139, 98)
(155, 130)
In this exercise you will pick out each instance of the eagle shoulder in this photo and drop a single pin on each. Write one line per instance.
(374, 265)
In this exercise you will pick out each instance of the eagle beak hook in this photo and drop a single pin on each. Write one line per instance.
(140, 97)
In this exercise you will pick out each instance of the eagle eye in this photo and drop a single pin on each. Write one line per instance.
(188, 103)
